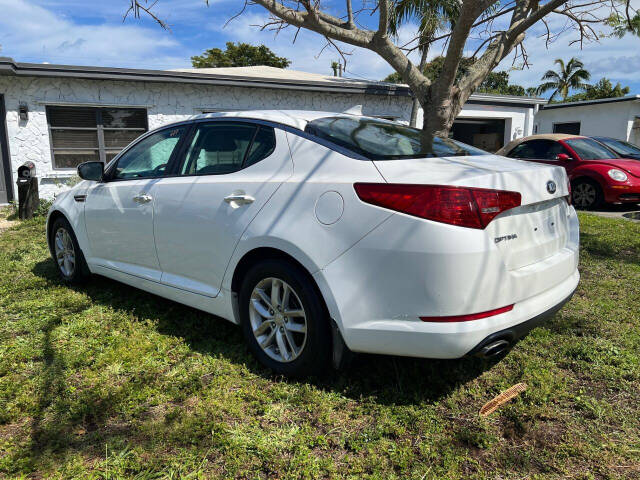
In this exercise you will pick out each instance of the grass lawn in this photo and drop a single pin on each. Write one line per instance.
(105, 381)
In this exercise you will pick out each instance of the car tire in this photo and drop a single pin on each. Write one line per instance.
(586, 194)
(66, 253)
(293, 345)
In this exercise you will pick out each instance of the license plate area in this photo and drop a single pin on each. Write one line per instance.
(531, 233)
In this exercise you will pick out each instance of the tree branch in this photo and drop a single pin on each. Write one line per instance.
(350, 23)
(135, 7)
(319, 22)
(525, 15)
(383, 19)
(314, 20)
(469, 13)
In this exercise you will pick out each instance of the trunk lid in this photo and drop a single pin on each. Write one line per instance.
(482, 171)
(524, 235)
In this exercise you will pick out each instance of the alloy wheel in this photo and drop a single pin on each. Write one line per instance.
(584, 195)
(65, 253)
(278, 319)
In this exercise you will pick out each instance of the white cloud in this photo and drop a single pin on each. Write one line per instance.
(33, 33)
(618, 59)
(614, 58)
(93, 34)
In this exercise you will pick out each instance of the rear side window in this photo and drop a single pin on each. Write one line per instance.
(524, 150)
(218, 148)
(538, 149)
(383, 140)
(264, 143)
(588, 149)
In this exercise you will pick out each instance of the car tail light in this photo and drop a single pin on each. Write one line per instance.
(462, 206)
(471, 316)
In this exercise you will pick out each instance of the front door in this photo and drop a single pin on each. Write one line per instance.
(6, 191)
(229, 172)
(119, 211)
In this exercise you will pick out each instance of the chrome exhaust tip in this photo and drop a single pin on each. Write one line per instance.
(493, 349)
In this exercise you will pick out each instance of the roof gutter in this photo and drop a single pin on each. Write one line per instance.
(599, 101)
(9, 67)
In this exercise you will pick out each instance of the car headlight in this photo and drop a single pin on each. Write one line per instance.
(617, 175)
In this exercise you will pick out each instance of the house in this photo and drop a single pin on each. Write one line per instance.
(58, 116)
(608, 117)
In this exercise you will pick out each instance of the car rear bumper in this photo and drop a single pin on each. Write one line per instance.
(456, 340)
(495, 343)
(406, 269)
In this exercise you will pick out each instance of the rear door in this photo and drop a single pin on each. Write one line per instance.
(229, 171)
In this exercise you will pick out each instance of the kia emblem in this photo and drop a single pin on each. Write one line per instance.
(551, 187)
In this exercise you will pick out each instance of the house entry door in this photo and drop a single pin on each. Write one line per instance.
(6, 189)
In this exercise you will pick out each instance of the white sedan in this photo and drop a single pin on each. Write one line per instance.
(323, 234)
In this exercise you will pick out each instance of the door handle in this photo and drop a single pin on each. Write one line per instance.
(239, 199)
(142, 198)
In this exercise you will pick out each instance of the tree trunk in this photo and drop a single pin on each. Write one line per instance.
(439, 112)
(414, 112)
(416, 103)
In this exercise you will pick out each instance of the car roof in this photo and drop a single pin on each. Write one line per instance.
(541, 136)
(293, 118)
(551, 136)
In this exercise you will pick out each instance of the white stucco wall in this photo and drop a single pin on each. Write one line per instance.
(518, 119)
(169, 102)
(613, 119)
(165, 103)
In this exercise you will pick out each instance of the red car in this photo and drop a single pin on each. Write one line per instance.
(597, 174)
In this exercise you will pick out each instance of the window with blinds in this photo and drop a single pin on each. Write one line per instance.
(83, 134)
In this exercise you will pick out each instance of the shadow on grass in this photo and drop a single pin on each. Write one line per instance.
(396, 380)
(385, 380)
(602, 248)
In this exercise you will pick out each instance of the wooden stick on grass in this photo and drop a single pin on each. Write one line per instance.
(503, 398)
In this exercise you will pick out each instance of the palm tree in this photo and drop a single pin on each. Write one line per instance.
(571, 76)
(433, 15)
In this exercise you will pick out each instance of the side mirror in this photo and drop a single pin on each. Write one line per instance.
(563, 157)
(91, 171)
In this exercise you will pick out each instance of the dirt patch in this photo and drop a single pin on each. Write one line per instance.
(8, 218)
(6, 224)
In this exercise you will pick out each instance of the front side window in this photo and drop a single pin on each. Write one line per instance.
(82, 134)
(588, 149)
(150, 156)
(383, 140)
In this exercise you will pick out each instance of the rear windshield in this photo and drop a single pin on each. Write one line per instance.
(384, 140)
(620, 147)
(588, 149)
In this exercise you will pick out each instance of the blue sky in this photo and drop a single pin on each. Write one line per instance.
(87, 33)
